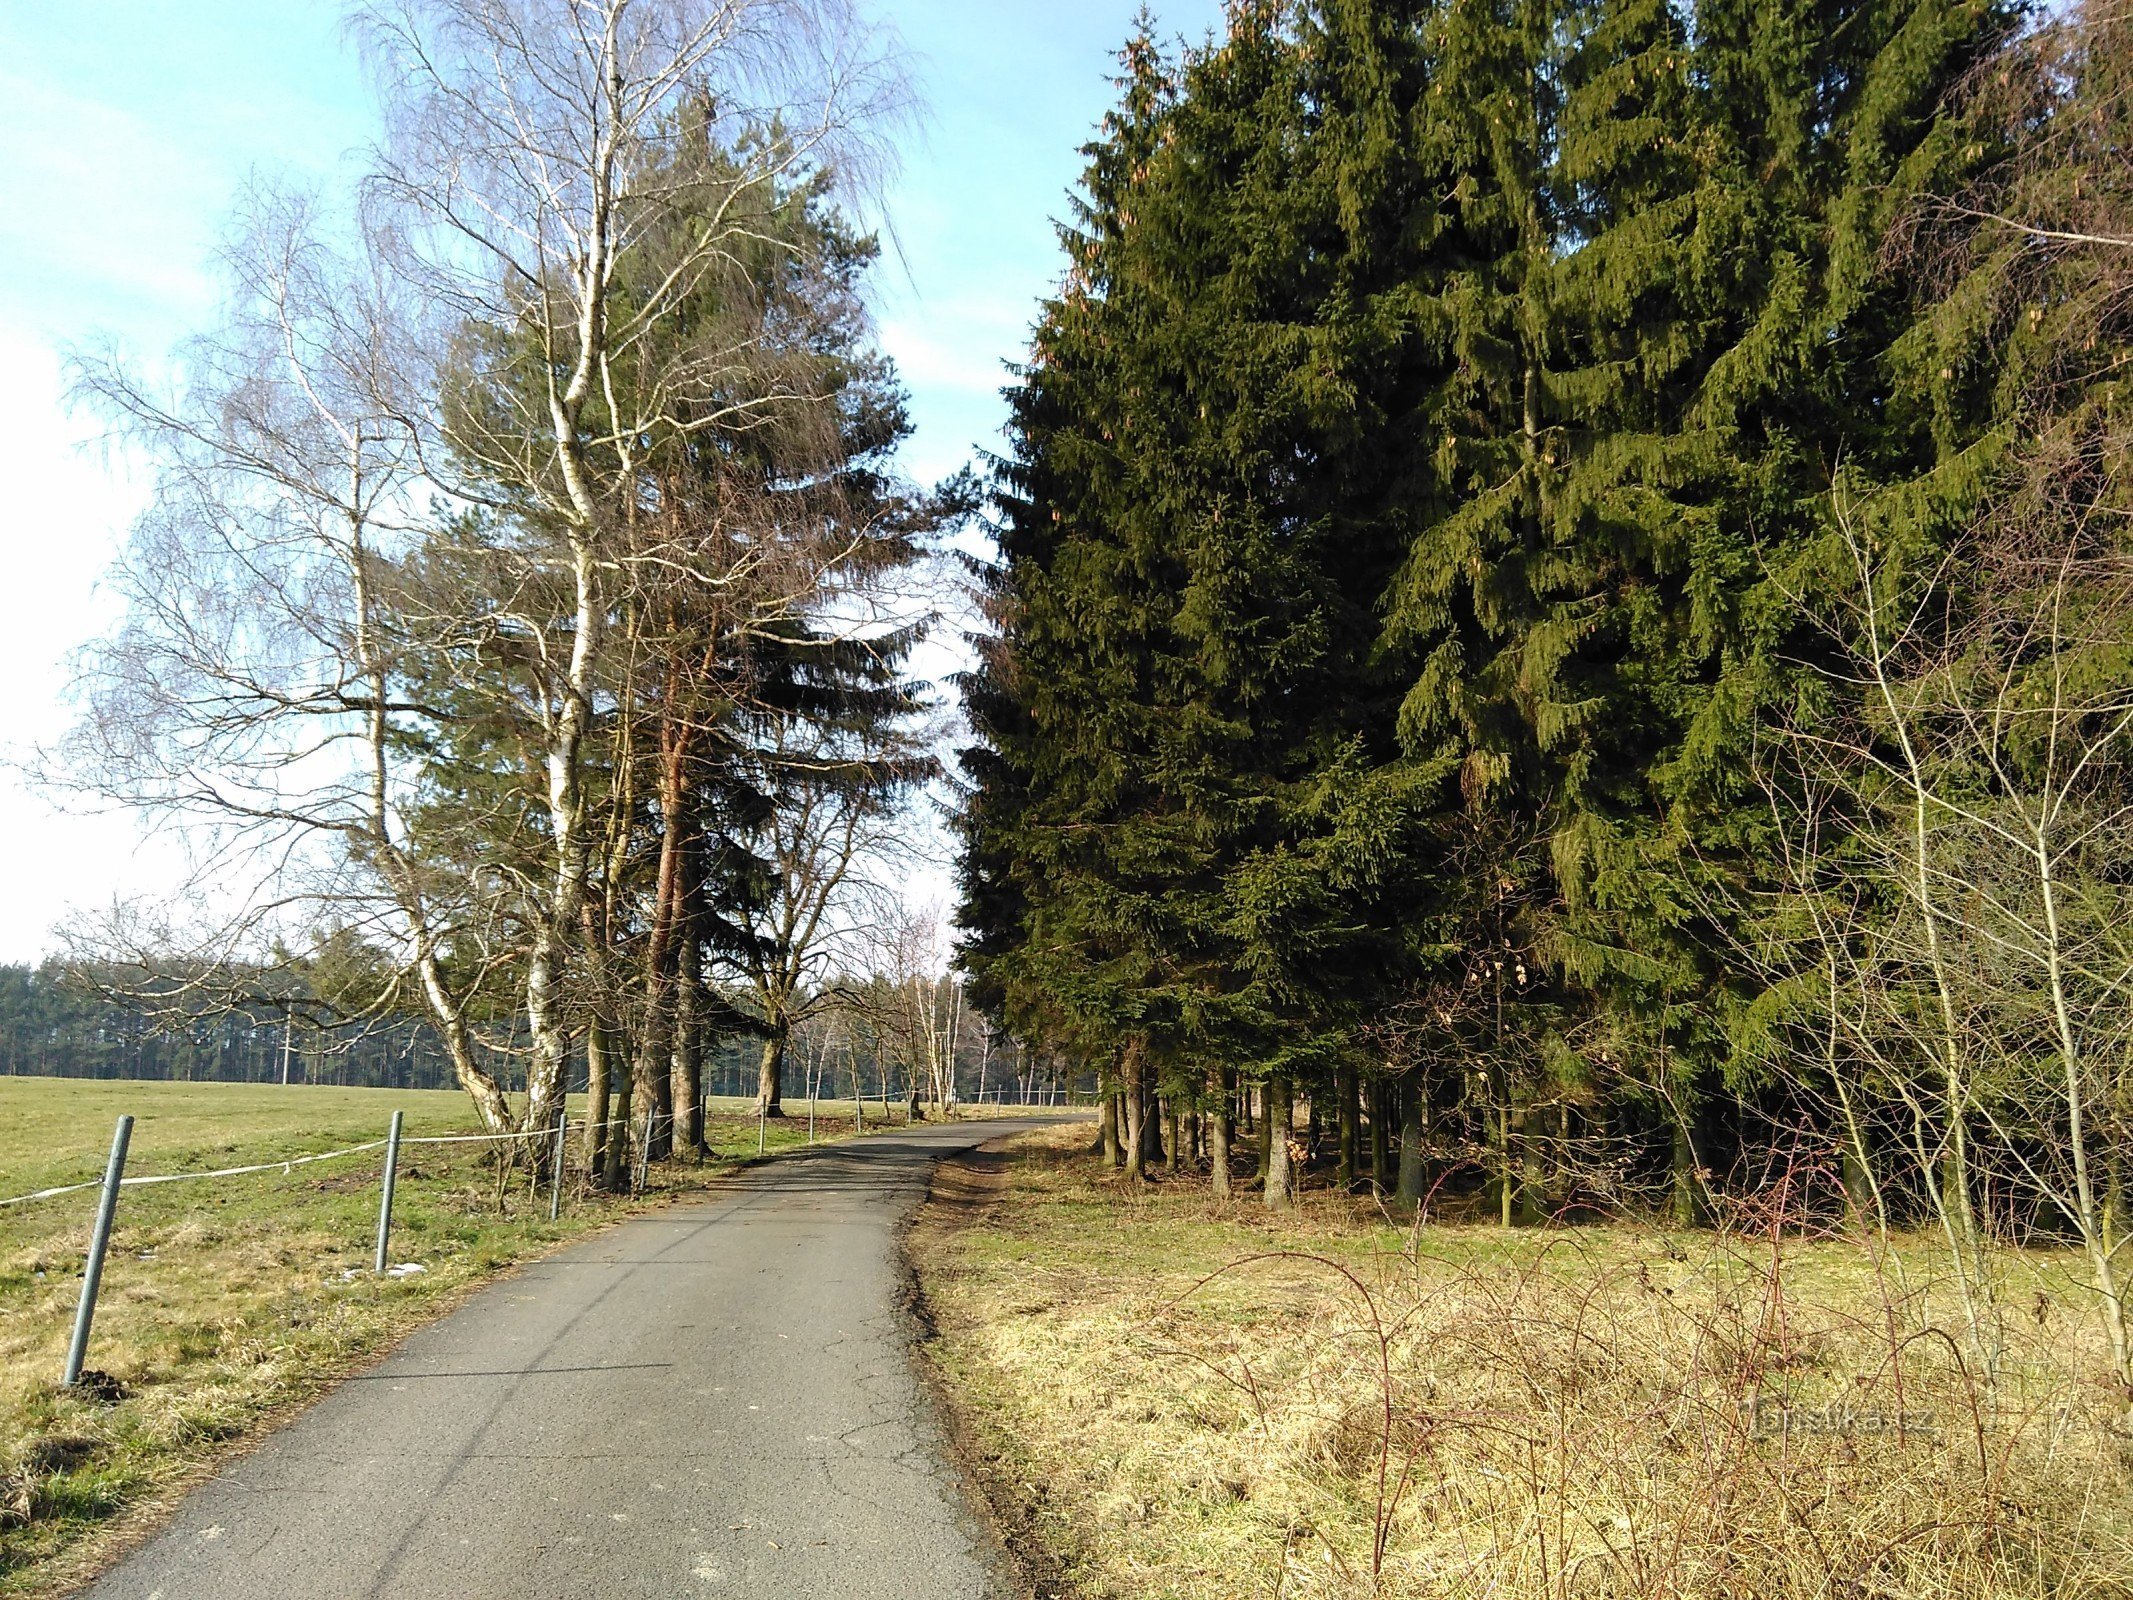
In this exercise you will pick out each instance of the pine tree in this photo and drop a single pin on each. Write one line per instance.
(1411, 496)
(1662, 311)
(1061, 691)
(1249, 513)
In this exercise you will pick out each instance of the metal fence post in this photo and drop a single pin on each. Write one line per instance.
(644, 1155)
(385, 1200)
(555, 1182)
(762, 1117)
(93, 1271)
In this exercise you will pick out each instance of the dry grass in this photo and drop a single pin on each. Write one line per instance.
(1175, 1400)
(225, 1303)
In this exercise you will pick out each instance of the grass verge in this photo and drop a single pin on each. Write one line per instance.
(226, 1303)
(1173, 1400)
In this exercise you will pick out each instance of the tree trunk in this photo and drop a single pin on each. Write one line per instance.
(1132, 1069)
(1505, 1179)
(1413, 1180)
(1858, 1187)
(601, 1060)
(655, 1093)
(1380, 1142)
(1218, 1132)
(1532, 1173)
(1280, 1187)
(1134, 1144)
(615, 1163)
(1107, 1140)
(477, 1080)
(669, 913)
(770, 1070)
(545, 1013)
(1263, 1128)
(597, 1064)
(655, 1042)
(1344, 1094)
(1687, 1190)
(1172, 1125)
(687, 1092)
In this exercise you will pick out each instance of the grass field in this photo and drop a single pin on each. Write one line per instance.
(1173, 1400)
(226, 1301)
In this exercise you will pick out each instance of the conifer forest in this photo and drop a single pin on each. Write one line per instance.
(1562, 600)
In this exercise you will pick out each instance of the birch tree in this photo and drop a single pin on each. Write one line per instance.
(1957, 860)
(533, 148)
(257, 686)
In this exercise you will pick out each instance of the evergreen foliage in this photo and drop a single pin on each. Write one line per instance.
(1417, 503)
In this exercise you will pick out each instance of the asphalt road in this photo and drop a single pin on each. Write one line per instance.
(718, 1399)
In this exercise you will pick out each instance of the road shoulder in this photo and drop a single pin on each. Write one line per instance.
(964, 1193)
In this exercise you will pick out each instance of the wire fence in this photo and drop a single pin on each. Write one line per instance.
(639, 1131)
(115, 1181)
(291, 1163)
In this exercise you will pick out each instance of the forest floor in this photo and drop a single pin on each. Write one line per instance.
(228, 1302)
(1171, 1399)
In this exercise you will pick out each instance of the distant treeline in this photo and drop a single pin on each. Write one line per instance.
(53, 1025)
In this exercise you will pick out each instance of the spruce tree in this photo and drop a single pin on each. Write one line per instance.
(1204, 508)
(1053, 839)
(1410, 497)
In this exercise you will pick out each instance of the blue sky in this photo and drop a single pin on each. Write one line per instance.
(132, 125)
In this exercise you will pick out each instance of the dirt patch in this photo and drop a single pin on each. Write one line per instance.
(965, 1185)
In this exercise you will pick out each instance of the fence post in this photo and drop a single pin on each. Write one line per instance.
(762, 1114)
(93, 1271)
(385, 1199)
(555, 1182)
(644, 1154)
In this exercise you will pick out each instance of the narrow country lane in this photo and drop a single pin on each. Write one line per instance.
(718, 1399)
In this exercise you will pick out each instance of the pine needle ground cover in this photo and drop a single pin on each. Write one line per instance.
(1172, 1400)
(226, 1302)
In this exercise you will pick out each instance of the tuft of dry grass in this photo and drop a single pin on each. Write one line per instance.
(226, 1303)
(1173, 1399)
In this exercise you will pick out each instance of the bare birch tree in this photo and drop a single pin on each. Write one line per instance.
(827, 836)
(256, 687)
(913, 1003)
(533, 149)
(1955, 837)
